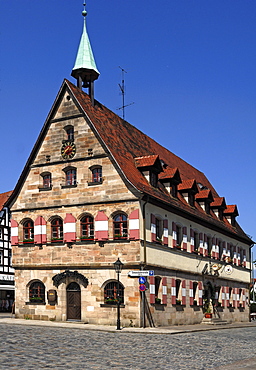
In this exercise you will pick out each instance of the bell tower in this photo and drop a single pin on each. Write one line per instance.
(85, 70)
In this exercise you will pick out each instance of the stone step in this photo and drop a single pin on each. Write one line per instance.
(214, 321)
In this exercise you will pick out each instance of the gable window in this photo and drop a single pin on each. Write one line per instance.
(87, 228)
(120, 226)
(28, 231)
(97, 174)
(57, 230)
(112, 292)
(69, 133)
(70, 177)
(37, 292)
(47, 180)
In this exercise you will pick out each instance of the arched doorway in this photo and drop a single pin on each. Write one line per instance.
(73, 302)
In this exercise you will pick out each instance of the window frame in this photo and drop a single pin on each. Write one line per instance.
(120, 225)
(36, 294)
(70, 135)
(88, 225)
(59, 230)
(111, 293)
(28, 231)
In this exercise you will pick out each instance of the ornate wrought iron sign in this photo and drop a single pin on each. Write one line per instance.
(61, 278)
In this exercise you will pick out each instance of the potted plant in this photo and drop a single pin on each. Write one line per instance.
(157, 300)
(178, 302)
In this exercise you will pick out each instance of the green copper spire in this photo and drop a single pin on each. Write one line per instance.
(85, 70)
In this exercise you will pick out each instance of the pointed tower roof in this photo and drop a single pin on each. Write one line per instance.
(85, 70)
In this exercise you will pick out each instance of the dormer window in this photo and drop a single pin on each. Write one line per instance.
(170, 178)
(188, 189)
(150, 166)
(218, 206)
(204, 198)
(69, 133)
(231, 213)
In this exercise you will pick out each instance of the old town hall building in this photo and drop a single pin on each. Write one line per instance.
(96, 189)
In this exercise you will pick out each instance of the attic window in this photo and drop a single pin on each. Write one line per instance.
(153, 179)
(69, 132)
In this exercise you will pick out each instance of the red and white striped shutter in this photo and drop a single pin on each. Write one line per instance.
(165, 238)
(234, 297)
(153, 228)
(185, 238)
(173, 291)
(183, 292)
(214, 247)
(227, 297)
(238, 256)
(228, 250)
(69, 228)
(174, 234)
(191, 293)
(243, 298)
(101, 226)
(223, 296)
(164, 290)
(244, 260)
(40, 230)
(217, 249)
(238, 297)
(152, 290)
(134, 225)
(224, 252)
(14, 232)
(201, 243)
(200, 293)
(192, 240)
(235, 256)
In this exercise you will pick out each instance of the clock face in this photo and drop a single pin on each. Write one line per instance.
(228, 269)
(68, 150)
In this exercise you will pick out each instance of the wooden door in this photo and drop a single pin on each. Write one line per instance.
(73, 302)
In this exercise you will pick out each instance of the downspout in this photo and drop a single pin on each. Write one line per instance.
(144, 263)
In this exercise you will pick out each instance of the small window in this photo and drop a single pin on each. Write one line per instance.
(71, 177)
(153, 179)
(10, 257)
(196, 242)
(178, 292)
(120, 226)
(209, 246)
(179, 235)
(1, 257)
(97, 174)
(195, 293)
(28, 232)
(47, 181)
(69, 133)
(37, 292)
(159, 230)
(87, 228)
(112, 292)
(57, 230)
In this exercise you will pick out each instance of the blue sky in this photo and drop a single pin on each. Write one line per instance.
(190, 73)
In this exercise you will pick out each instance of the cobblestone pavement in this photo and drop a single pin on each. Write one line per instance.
(33, 347)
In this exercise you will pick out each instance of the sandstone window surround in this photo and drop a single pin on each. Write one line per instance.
(36, 293)
(70, 177)
(28, 232)
(96, 175)
(46, 181)
(69, 133)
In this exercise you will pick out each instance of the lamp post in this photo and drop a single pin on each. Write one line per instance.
(118, 265)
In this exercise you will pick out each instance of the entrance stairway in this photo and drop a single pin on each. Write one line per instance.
(214, 321)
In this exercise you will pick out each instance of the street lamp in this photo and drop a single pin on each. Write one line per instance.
(118, 265)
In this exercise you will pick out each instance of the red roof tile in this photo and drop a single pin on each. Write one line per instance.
(146, 161)
(231, 209)
(169, 173)
(204, 194)
(4, 197)
(187, 185)
(218, 202)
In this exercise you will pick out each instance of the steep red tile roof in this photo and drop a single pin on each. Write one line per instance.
(4, 197)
